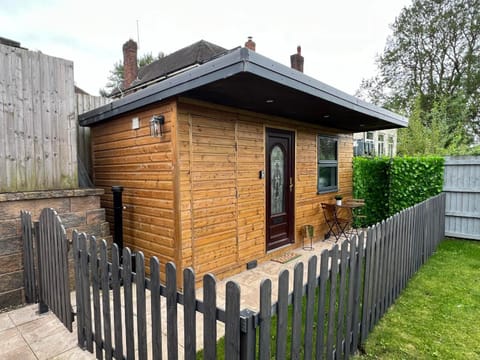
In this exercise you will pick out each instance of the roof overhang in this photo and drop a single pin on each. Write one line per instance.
(247, 80)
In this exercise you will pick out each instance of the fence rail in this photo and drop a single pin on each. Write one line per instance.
(325, 317)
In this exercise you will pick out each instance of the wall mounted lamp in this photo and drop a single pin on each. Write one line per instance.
(156, 125)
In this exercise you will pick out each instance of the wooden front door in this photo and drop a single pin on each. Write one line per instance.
(280, 177)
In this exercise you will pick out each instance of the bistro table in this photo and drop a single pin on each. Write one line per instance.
(351, 206)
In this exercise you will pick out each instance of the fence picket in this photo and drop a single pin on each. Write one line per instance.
(332, 302)
(232, 322)
(322, 289)
(189, 311)
(209, 317)
(265, 319)
(156, 315)
(340, 336)
(141, 306)
(28, 257)
(358, 298)
(87, 308)
(297, 310)
(117, 302)
(310, 307)
(105, 280)
(282, 315)
(97, 321)
(171, 296)
(351, 293)
(367, 286)
(127, 293)
(76, 237)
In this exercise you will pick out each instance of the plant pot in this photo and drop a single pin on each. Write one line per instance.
(339, 202)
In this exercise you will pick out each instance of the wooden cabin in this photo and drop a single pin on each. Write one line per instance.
(247, 151)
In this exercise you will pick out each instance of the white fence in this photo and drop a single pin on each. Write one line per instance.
(462, 188)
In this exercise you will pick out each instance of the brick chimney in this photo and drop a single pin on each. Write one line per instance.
(296, 60)
(130, 69)
(250, 44)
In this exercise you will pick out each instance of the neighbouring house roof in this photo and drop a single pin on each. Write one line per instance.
(244, 79)
(195, 54)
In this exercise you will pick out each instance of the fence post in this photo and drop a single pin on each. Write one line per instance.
(247, 335)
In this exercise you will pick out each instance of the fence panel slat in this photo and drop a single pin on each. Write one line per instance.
(156, 308)
(127, 293)
(86, 295)
(141, 306)
(332, 302)
(172, 318)
(77, 238)
(341, 300)
(210, 317)
(297, 311)
(310, 307)
(357, 297)
(189, 311)
(322, 289)
(232, 323)
(265, 318)
(282, 315)
(117, 302)
(367, 285)
(350, 302)
(97, 321)
(107, 326)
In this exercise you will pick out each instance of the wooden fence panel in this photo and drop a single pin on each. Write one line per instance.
(282, 315)
(141, 305)
(462, 188)
(265, 319)
(117, 302)
(190, 312)
(156, 309)
(310, 308)
(37, 122)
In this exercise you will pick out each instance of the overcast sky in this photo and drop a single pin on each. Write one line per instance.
(340, 38)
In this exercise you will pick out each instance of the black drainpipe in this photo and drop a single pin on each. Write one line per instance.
(118, 216)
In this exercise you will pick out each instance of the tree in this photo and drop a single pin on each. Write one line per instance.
(430, 69)
(115, 79)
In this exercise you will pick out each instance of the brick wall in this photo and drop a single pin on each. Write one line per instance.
(79, 209)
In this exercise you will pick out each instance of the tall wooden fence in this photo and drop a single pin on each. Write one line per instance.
(37, 122)
(326, 317)
(462, 187)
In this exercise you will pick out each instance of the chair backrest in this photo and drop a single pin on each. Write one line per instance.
(328, 211)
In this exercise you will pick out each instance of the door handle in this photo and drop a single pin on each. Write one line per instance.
(291, 184)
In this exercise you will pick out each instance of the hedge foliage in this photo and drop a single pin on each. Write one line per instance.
(390, 185)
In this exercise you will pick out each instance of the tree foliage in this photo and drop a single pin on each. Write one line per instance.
(430, 71)
(116, 77)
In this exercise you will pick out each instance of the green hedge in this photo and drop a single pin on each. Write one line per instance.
(390, 185)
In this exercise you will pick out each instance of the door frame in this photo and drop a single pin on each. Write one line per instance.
(290, 199)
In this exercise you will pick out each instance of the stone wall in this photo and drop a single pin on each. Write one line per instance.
(79, 209)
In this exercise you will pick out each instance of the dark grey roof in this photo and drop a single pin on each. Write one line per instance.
(247, 80)
(197, 53)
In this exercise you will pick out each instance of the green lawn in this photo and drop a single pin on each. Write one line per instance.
(438, 314)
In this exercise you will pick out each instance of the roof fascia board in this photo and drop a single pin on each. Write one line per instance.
(264, 67)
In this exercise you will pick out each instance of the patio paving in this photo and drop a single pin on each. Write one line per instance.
(24, 334)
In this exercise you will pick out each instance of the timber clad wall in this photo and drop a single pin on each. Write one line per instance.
(37, 122)
(194, 196)
(222, 197)
(143, 166)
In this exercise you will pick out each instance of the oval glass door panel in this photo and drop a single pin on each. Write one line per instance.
(277, 169)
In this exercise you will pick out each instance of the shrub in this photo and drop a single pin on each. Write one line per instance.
(390, 185)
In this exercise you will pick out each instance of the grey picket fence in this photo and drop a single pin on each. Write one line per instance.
(346, 292)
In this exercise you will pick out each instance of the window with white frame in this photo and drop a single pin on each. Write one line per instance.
(381, 145)
(390, 146)
(327, 163)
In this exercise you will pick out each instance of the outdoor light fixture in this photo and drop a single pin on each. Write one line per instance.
(156, 125)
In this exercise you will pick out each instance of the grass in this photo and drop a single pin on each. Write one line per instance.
(438, 314)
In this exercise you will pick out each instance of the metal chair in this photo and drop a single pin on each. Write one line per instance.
(336, 224)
